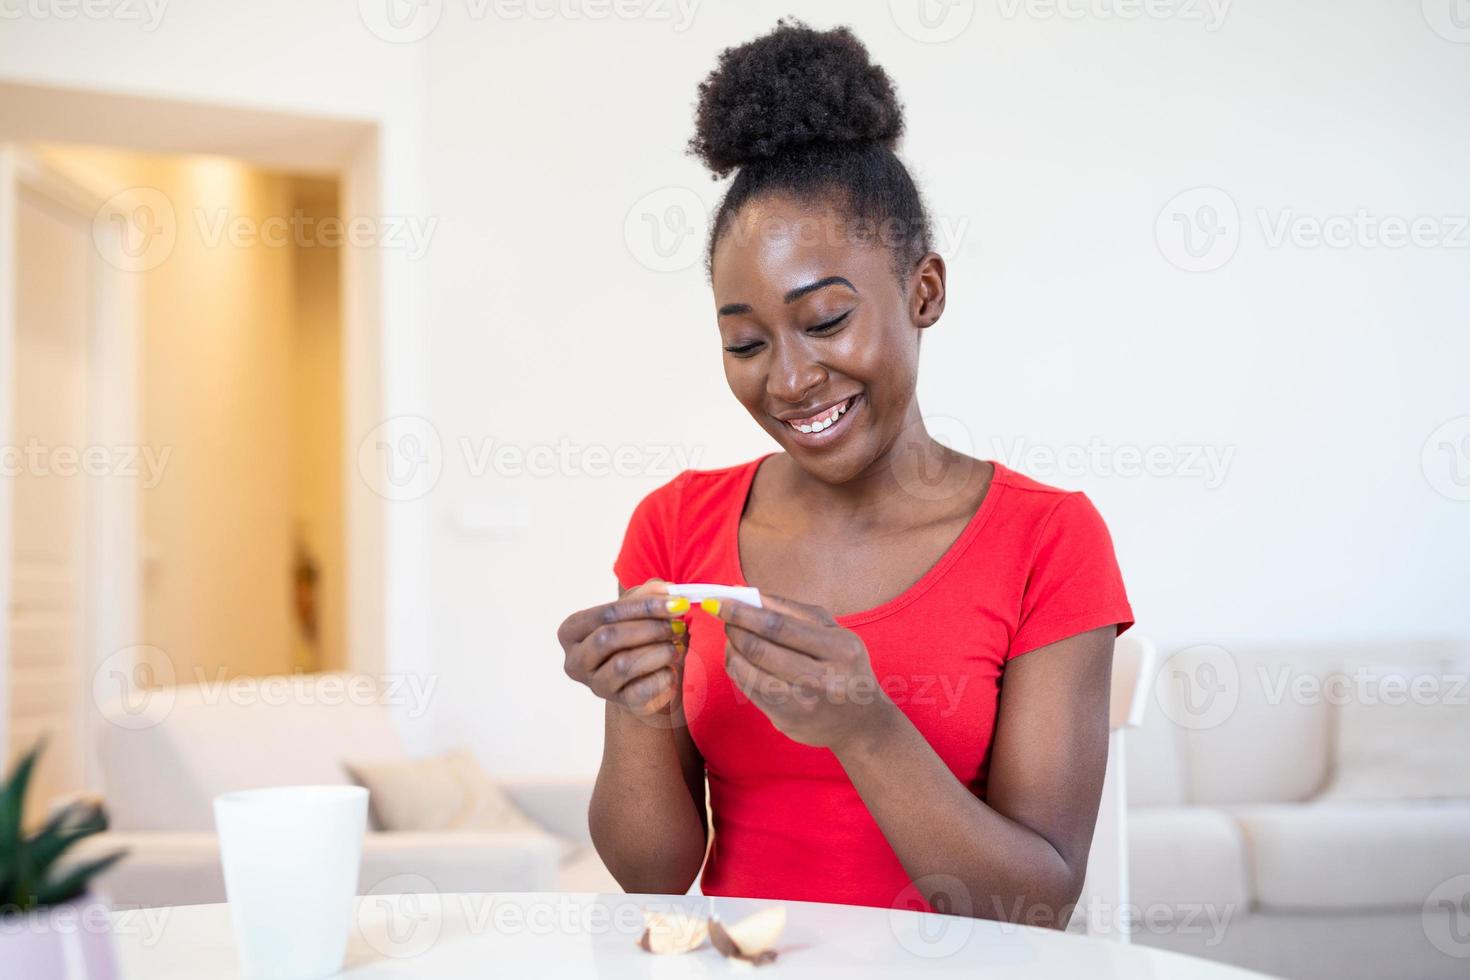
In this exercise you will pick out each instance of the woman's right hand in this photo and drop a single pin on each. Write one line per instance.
(629, 651)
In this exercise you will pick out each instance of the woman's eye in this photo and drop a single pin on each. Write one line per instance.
(830, 325)
(820, 330)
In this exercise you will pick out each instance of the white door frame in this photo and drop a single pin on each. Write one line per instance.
(9, 202)
(110, 592)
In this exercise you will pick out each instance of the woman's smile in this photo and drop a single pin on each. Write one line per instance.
(821, 429)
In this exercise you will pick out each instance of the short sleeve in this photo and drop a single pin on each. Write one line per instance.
(1074, 584)
(648, 543)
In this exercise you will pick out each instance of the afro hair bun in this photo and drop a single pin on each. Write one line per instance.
(790, 90)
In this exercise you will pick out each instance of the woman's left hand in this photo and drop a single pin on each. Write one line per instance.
(810, 676)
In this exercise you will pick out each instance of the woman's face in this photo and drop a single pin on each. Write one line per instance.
(821, 343)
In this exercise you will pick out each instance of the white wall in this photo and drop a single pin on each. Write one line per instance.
(1055, 142)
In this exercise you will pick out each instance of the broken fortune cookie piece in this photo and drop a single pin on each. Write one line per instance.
(677, 932)
(753, 938)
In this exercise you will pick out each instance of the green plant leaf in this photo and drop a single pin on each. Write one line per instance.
(74, 882)
(13, 797)
(73, 822)
(29, 875)
(14, 862)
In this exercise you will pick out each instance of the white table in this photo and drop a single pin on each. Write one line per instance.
(550, 934)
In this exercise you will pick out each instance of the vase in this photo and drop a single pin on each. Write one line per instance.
(70, 941)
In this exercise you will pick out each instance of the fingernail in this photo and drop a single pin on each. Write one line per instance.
(711, 606)
(679, 604)
(678, 626)
(681, 646)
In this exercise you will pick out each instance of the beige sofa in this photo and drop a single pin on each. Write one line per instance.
(1233, 859)
(164, 755)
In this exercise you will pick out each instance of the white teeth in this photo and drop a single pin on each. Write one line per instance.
(825, 422)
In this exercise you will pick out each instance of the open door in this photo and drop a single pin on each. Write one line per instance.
(68, 507)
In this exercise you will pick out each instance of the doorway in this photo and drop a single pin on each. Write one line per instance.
(191, 461)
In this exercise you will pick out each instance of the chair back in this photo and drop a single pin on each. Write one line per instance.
(1133, 680)
(1104, 901)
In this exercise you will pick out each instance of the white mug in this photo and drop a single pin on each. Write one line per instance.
(291, 856)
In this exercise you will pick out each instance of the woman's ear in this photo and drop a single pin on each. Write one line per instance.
(926, 302)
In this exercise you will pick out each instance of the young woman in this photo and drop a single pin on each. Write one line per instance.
(923, 722)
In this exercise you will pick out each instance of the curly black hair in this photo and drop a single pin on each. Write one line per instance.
(805, 112)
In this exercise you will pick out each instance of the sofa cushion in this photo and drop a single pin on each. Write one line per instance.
(1237, 707)
(1401, 735)
(450, 791)
(1344, 857)
(1187, 858)
(165, 753)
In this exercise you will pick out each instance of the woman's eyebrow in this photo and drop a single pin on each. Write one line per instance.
(730, 309)
(812, 287)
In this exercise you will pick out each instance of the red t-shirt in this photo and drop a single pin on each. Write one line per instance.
(1034, 565)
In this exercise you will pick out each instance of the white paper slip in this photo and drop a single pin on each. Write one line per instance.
(696, 591)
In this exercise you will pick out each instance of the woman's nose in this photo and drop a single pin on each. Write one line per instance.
(793, 373)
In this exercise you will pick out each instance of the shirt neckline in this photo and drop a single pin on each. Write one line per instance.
(952, 554)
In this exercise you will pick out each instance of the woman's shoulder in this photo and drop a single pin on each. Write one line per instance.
(694, 495)
(1040, 493)
(1039, 506)
(1069, 577)
(699, 486)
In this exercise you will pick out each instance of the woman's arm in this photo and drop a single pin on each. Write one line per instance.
(1020, 855)
(647, 817)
